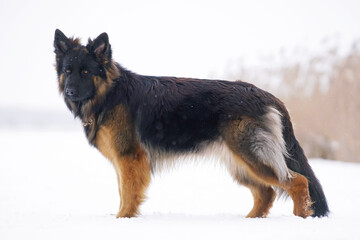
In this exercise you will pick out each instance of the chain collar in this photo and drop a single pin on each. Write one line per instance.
(88, 122)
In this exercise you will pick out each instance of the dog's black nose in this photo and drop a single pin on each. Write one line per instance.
(70, 92)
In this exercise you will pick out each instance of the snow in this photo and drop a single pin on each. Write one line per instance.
(53, 185)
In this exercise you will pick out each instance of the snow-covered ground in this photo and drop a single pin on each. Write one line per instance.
(53, 185)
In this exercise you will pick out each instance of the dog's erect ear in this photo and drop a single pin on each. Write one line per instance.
(101, 47)
(61, 42)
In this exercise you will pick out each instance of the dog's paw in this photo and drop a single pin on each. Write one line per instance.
(125, 214)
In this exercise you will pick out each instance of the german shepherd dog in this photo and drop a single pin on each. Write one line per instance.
(141, 123)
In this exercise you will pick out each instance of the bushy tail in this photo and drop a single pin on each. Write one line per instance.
(297, 162)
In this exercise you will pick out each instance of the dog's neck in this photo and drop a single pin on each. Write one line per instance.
(91, 125)
(88, 122)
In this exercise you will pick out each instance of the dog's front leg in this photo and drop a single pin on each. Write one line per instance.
(133, 173)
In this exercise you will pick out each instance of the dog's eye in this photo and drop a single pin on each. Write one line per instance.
(85, 72)
(68, 71)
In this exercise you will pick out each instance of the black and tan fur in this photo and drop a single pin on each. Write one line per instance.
(142, 122)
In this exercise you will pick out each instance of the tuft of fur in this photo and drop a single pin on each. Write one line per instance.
(268, 144)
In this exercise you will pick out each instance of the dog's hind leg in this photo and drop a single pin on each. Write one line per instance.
(258, 147)
(263, 195)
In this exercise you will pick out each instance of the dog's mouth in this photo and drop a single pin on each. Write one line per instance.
(76, 98)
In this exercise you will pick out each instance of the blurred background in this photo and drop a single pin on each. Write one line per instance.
(305, 52)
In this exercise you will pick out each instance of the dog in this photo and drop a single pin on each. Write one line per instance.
(141, 123)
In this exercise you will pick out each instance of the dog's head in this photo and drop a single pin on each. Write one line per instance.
(85, 73)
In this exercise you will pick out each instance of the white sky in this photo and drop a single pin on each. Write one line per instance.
(181, 38)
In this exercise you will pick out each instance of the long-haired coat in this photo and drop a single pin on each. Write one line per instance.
(141, 122)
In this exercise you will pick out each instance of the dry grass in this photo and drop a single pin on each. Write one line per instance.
(323, 97)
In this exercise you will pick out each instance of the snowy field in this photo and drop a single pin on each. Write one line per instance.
(54, 186)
